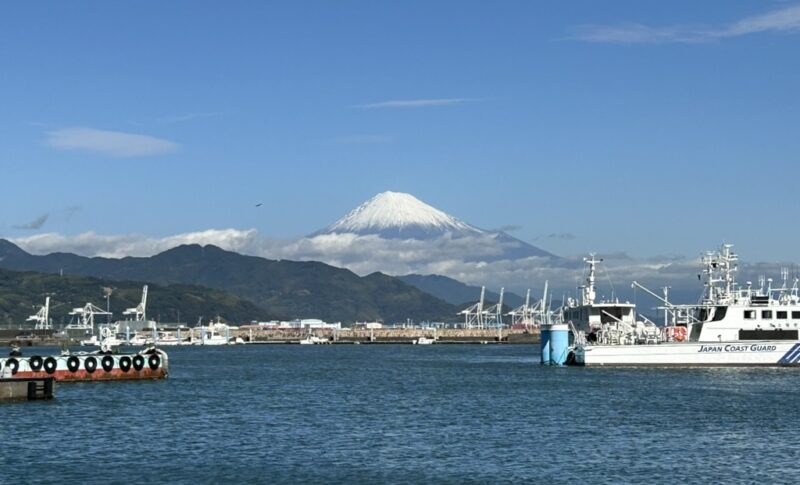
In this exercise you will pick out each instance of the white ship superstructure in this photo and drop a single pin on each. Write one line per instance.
(604, 321)
(730, 326)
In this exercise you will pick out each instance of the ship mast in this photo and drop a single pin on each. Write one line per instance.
(589, 292)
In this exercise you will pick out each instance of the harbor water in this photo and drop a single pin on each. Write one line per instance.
(407, 413)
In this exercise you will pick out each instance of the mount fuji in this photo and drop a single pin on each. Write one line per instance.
(401, 216)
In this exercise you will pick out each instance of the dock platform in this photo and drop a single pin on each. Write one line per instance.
(27, 389)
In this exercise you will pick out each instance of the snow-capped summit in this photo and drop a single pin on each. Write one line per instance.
(396, 215)
(399, 215)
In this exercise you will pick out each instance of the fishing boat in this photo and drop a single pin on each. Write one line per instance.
(424, 341)
(313, 340)
(731, 326)
(150, 363)
(105, 337)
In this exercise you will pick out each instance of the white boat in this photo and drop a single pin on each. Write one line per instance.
(139, 339)
(216, 333)
(313, 340)
(105, 338)
(167, 339)
(732, 326)
(424, 341)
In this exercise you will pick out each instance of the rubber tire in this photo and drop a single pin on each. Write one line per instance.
(73, 364)
(138, 362)
(90, 364)
(125, 363)
(50, 365)
(35, 363)
(107, 362)
(14, 364)
(154, 361)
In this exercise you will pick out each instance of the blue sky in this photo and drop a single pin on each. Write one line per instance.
(642, 126)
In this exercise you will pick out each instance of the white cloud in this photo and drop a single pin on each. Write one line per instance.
(472, 260)
(118, 246)
(111, 143)
(413, 103)
(785, 20)
(460, 259)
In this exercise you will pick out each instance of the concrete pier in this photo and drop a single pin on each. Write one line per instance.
(392, 335)
(27, 389)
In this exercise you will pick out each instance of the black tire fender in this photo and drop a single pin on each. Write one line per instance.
(90, 364)
(107, 362)
(125, 363)
(138, 362)
(13, 364)
(73, 364)
(50, 365)
(36, 363)
(154, 361)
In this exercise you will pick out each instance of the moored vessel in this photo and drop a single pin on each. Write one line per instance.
(731, 326)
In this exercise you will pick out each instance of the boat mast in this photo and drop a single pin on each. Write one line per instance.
(589, 290)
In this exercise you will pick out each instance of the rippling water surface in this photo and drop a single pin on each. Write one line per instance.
(386, 413)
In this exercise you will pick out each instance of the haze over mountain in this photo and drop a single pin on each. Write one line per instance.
(456, 292)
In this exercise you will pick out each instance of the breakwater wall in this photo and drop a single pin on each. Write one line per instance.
(390, 335)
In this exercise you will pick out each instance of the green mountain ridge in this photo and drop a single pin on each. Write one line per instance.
(284, 289)
(22, 292)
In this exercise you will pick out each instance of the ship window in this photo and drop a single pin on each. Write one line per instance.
(749, 314)
(719, 313)
(796, 315)
(766, 314)
(782, 315)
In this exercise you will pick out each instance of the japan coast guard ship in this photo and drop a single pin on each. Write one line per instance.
(731, 326)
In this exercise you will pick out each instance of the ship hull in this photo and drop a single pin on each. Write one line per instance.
(88, 367)
(775, 353)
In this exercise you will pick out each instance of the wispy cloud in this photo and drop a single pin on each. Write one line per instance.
(71, 211)
(563, 236)
(414, 103)
(508, 228)
(34, 224)
(111, 143)
(181, 118)
(362, 139)
(785, 20)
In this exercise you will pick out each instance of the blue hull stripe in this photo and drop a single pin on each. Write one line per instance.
(792, 356)
(788, 356)
(791, 359)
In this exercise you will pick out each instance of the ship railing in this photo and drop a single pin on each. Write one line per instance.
(579, 336)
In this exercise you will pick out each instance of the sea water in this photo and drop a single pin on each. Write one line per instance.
(403, 413)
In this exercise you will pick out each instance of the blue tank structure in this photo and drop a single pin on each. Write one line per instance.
(559, 343)
(544, 340)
